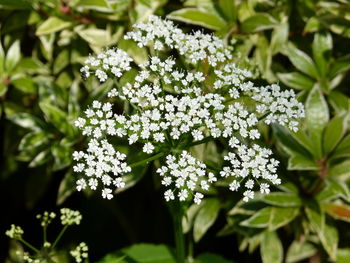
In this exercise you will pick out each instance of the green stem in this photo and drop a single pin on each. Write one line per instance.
(59, 236)
(154, 157)
(179, 236)
(29, 246)
(206, 139)
(44, 234)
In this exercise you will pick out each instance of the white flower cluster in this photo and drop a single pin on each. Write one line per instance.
(80, 252)
(98, 163)
(15, 232)
(249, 166)
(46, 218)
(175, 106)
(114, 61)
(70, 217)
(183, 175)
(194, 47)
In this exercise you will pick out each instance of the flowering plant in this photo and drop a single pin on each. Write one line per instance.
(189, 92)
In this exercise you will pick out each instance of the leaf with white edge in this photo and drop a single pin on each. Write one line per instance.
(258, 22)
(271, 217)
(339, 101)
(33, 140)
(271, 248)
(296, 80)
(188, 218)
(282, 199)
(339, 66)
(343, 148)
(66, 188)
(334, 132)
(299, 251)
(300, 162)
(340, 170)
(40, 159)
(98, 5)
(13, 56)
(338, 211)
(51, 25)
(28, 121)
(326, 231)
(62, 154)
(200, 17)
(94, 36)
(206, 217)
(317, 117)
(279, 38)
(57, 117)
(321, 49)
(301, 61)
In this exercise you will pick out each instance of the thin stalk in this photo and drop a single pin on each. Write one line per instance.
(59, 236)
(179, 236)
(206, 139)
(154, 157)
(29, 246)
(45, 238)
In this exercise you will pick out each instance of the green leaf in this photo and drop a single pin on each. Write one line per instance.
(33, 140)
(52, 25)
(271, 249)
(326, 232)
(296, 80)
(62, 154)
(98, 5)
(28, 121)
(317, 117)
(282, 199)
(148, 253)
(299, 162)
(339, 101)
(334, 132)
(94, 36)
(66, 188)
(299, 251)
(340, 65)
(200, 17)
(258, 22)
(210, 258)
(40, 159)
(25, 84)
(279, 38)
(301, 61)
(271, 217)
(343, 255)
(15, 4)
(338, 211)
(188, 218)
(321, 49)
(205, 217)
(284, 136)
(228, 8)
(57, 117)
(61, 61)
(13, 56)
(139, 55)
(340, 170)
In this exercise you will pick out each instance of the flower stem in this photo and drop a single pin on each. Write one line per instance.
(179, 236)
(59, 236)
(29, 246)
(154, 157)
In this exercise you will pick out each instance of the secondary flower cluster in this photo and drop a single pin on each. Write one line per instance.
(175, 106)
(185, 174)
(44, 253)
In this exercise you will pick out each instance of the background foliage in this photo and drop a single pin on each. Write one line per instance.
(301, 44)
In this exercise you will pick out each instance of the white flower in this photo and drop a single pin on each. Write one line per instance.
(80, 252)
(169, 195)
(148, 148)
(70, 217)
(198, 198)
(107, 193)
(248, 195)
